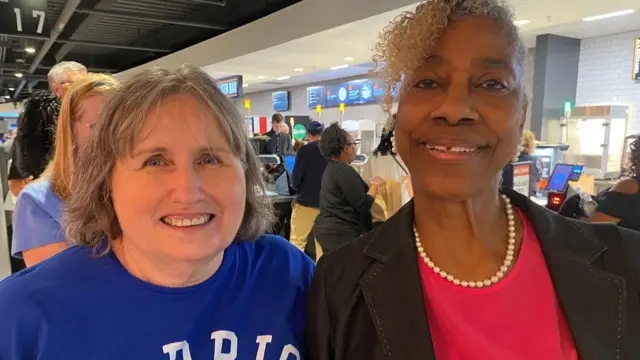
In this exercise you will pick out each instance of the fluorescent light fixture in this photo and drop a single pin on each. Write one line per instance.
(340, 67)
(298, 69)
(348, 58)
(7, 96)
(30, 49)
(521, 22)
(18, 75)
(245, 85)
(11, 89)
(283, 78)
(262, 77)
(609, 15)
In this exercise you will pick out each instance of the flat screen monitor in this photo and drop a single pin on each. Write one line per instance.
(280, 101)
(231, 86)
(316, 96)
(289, 162)
(560, 178)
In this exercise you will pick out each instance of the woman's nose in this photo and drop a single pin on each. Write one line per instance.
(186, 185)
(457, 105)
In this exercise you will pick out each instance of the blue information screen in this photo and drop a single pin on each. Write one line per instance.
(316, 96)
(280, 100)
(560, 177)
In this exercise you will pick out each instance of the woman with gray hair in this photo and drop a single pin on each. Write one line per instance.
(168, 211)
(467, 270)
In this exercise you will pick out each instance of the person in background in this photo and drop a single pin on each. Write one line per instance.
(621, 204)
(345, 199)
(297, 144)
(171, 263)
(528, 146)
(279, 141)
(306, 180)
(468, 270)
(37, 222)
(34, 139)
(35, 127)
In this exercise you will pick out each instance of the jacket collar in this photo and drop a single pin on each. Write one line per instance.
(592, 299)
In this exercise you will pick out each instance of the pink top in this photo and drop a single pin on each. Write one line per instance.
(517, 318)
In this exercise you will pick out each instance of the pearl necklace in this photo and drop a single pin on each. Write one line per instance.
(506, 264)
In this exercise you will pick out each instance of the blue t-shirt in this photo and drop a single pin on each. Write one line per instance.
(77, 306)
(37, 218)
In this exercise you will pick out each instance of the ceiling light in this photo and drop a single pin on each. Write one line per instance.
(348, 58)
(30, 50)
(605, 16)
(19, 75)
(283, 78)
(11, 89)
(340, 67)
(298, 69)
(245, 85)
(7, 96)
(521, 22)
(262, 77)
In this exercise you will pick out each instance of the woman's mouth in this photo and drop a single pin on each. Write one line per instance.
(187, 221)
(452, 152)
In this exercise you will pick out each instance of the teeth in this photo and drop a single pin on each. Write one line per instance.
(182, 222)
(453, 149)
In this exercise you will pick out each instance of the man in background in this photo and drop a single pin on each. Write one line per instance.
(279, 141)
(306, 179)
(36, 126)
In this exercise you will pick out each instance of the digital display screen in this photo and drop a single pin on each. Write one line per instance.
(231, 86)
(280, 100)
(361, 92)
(315, 96)
(576, 173)
(336, 94)
(560, 177)
(289, 162)
(636, 59)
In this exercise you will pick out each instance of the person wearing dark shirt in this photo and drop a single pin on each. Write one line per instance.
(345, 199)
(279, 141)
(621, 204)
(306, 178)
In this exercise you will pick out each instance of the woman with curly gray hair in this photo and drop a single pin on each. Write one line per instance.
(467, 270)
(169, 214)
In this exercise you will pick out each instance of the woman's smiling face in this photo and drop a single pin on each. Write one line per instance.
(461, 119)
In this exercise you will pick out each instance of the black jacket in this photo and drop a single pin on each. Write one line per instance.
(307, 174)
(366, 300)
(279, 143)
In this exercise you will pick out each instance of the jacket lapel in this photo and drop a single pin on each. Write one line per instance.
(593, 300)
(393, 291)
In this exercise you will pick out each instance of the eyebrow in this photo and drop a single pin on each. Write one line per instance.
(164, 150)
(489, 62)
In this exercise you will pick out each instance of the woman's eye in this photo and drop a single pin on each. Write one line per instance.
(154, 162)
(209, 160)
(426, 84)
(494, 85)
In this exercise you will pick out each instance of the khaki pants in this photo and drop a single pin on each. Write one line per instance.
(302, 219)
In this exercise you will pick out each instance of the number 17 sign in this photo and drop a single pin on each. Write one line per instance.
(24, 17)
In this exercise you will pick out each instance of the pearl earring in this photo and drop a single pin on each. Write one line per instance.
(519, 150)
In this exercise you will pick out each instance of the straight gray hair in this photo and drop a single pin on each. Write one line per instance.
(90, 215)
(57, 74)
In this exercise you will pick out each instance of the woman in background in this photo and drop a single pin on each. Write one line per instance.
(621, 204)
(528, 144)
(37, 227)
(345, 199)
(169, 213)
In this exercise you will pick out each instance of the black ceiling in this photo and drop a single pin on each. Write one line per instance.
(109, 35)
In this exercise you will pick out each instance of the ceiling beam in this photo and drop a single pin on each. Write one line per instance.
(151, 19)
(212, 2)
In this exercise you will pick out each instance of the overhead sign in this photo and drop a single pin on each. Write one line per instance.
(24, 17)
(299, 132)
(230, 86)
